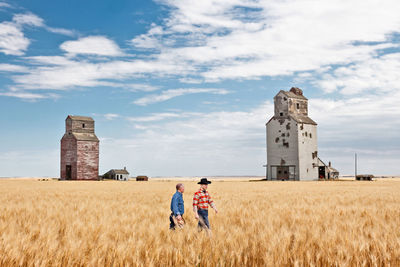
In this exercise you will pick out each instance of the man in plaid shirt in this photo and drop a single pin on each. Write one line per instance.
(201, 201)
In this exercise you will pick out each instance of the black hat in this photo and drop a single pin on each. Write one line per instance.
(204, 181)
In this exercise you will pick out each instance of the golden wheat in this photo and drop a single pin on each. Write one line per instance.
(259, 224)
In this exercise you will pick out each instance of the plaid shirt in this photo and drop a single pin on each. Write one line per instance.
(202, 199)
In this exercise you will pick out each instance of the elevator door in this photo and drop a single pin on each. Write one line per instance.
(68, 172)
(283, 173)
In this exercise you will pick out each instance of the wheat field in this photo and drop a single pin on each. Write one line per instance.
(110, 223)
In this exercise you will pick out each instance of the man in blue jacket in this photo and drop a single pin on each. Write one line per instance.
(177, 208)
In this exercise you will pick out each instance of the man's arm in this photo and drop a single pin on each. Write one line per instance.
(212, 203)
(196, 214)
(174, 204)
(195, 203)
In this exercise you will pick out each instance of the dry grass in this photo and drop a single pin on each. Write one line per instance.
(260, 223)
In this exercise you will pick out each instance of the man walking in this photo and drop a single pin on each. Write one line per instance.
(177, 208)
(201, 201)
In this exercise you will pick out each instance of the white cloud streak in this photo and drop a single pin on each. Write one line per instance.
(61, 31)
(92, 45)
(140, 87)
(4, 5)
(28, 19)
(378, 74)
(111, 116)
(12, 38)
(27, 95)
(172, 93)
(66, 73)
(13, 68)
(163, 116)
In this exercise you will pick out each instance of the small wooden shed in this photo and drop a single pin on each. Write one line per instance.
(142, 178)
(364, 177)
(326, 172)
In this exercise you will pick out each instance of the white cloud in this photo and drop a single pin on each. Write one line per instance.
(4, 4)
(168, 94)
(31, 19)
(66, 73)
(145, 41)
(250, 39)
(150, 39)
(62, 31)
(92, 45)
(50, 60)
(28, 19)
(111, 116)
(134, 87)
(12, 39)
(162, 116)
(368, 125)
(13, 68)
(27, 95)
(370, 116)
(190, 80)
(107, 116)
(154, 117)
(378, 74)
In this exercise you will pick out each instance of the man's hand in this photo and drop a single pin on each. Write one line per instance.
(179, 217)
(216, 211)
(196, 215)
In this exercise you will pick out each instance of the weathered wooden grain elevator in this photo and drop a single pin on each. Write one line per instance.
(79, 150)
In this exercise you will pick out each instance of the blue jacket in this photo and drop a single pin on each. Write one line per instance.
(177, 206)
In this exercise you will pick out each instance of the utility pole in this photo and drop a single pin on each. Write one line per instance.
(355, 166)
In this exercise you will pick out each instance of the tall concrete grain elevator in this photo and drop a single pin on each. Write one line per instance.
(292, 149)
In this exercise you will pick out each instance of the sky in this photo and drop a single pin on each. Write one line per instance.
(185, 87)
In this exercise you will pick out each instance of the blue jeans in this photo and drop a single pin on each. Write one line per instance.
(203, 217)
(172, 224)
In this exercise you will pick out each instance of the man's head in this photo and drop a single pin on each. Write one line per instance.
(180, 187)
(204, 183)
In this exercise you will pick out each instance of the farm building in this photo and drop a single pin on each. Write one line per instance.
(326, 171)
(364, 177)
(117, 174)
(79, 150)
(292, 148)
(142, 178)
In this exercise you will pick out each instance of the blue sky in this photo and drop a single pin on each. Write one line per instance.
(185, 87)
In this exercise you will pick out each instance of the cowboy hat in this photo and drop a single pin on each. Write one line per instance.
(204, 181)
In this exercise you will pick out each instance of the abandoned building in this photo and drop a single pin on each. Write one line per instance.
(326, 172)
(292, 149)
(142, 178)
(364, 177)
(79, 150)
(117, 174)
